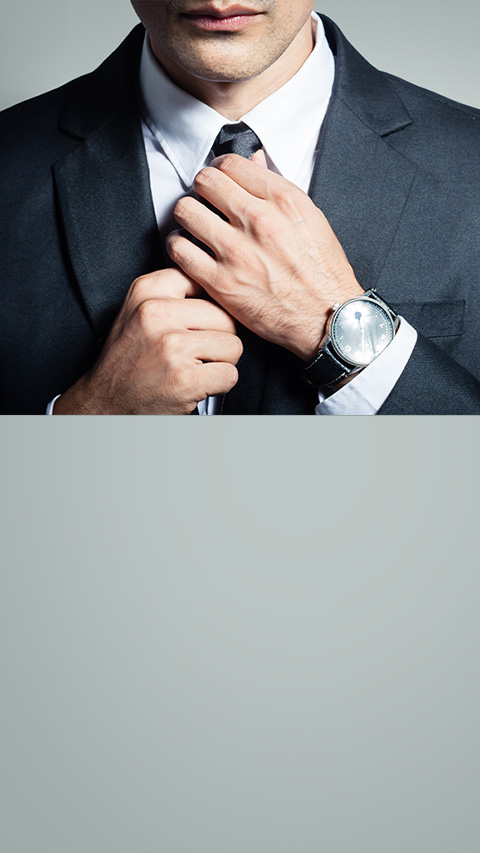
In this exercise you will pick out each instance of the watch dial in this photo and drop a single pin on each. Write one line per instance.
(360, 330)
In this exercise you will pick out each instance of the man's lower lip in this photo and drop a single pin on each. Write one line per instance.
(230, 25)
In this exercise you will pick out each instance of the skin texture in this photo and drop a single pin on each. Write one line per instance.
(167, 350)
(277, 266)
(278, 294)
(232, 72)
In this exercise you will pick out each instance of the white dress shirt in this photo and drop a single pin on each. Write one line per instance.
(179, 132)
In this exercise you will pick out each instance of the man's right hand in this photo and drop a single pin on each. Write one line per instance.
(164, 354)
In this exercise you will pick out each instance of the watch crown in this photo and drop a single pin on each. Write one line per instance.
(336, 306)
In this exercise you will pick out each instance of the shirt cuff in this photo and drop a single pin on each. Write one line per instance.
(211, 406)
(51, 404)
(367, 392)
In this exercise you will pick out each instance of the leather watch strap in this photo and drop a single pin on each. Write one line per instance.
(325, 369)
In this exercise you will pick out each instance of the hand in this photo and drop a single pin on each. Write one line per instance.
(165, 353)
(278, 267)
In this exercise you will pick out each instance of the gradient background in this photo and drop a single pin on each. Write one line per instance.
(239, 635)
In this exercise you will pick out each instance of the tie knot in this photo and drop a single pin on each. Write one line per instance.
(236, 139)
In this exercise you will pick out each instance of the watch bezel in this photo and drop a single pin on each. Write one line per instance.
(335, 316)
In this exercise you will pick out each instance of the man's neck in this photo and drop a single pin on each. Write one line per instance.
(234, 100)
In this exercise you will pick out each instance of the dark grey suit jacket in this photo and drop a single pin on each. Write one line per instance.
(397, 175)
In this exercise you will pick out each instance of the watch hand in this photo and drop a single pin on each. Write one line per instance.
(363, 337)
(371, 343)
(367, 341)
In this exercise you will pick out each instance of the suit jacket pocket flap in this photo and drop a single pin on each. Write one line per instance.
(434, 319)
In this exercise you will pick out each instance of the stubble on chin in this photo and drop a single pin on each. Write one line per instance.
(217, 57)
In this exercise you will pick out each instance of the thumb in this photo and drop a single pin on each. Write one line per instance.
(260, 159)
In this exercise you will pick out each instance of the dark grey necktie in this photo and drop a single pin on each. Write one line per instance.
(232, 139)
(236, 139)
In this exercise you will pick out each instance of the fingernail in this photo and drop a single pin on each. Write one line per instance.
(217, 160)
(260, 158)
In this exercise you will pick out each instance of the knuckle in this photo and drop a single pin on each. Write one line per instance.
(271, 231)
(138, 282)
(177, 381)
(187, 379)
(139, 287)
(204, 177)
(167, 312)
(234, 256)
(231, 325)
(264, 223)
(231, 376)
(176, 249)
(226, 322)
(180, 251)
(147, 315)
(258, 220)
(288, 199)
(228, 162)
(182, 207)
(173, 248)
(239, 347)
(184, 385)
(172, 343)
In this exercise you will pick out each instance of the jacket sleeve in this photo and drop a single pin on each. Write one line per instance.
(433, 383)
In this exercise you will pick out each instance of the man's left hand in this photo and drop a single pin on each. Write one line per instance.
(278, 268)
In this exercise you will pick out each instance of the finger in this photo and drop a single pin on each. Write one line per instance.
(216, 378)
(185, 314)
(202, 223)
(201, 315)
(254, 178)
(224, 194)
(168, 283)
(260, 158)
(214, 346)
(194, 262)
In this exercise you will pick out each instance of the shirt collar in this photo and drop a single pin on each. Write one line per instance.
(286, 121)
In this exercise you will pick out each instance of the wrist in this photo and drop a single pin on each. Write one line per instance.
(313, 335)
(77, 400)
(358, 330)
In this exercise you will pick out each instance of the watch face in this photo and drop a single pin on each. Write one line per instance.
(360, 330)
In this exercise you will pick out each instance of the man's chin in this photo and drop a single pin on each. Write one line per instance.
(221, 67)
(219, 76)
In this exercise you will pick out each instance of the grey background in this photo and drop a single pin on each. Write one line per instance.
(239, 634)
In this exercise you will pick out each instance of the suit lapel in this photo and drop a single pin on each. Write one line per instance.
(360, 182)
(108, 218)
(103, 187)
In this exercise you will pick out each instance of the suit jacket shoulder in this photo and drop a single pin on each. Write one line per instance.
(36, 128)
(452, 128)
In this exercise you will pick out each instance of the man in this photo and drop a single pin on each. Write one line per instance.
(107, 305)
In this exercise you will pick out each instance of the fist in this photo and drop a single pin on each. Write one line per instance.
(168, 349)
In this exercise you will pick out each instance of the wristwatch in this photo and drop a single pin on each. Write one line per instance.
(357, 332)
